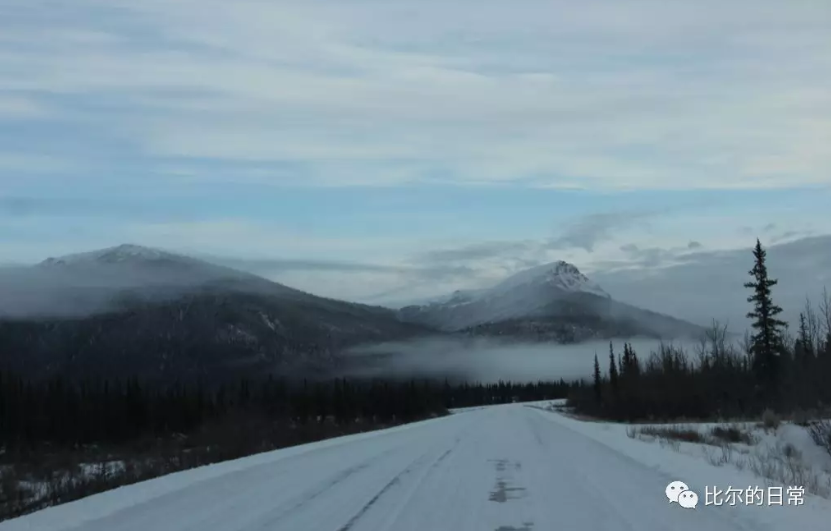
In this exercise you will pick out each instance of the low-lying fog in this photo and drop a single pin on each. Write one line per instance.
(489, 360)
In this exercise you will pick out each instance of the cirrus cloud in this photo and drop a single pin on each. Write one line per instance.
(599, 96)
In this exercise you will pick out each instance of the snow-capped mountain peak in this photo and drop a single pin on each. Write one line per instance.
(131, 266)
(561, 275)
(530, 293)
(549, 302)
(116, 255)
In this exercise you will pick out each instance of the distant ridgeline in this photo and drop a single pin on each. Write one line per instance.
(132, 311)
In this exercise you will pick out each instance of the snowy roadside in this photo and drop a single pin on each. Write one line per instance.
(114, 500)
(781, 458)
(782, 455)
(78, 474)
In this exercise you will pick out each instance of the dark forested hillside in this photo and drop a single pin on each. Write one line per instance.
(135, 311)
(208, 333)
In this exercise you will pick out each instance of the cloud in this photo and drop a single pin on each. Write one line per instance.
(710, 284)
(774, 233)
(586, 232)
(646, 257)
(24, 206)
(19, 108)
(649, 257)
(581, 233)
(657, 95)
(790, 235)
(184, 103)
(646, 264)
(18, 206)
(277, 266)
(480, 251)
(250, 240)
(597, 244)
(17, 163)
(397, 246)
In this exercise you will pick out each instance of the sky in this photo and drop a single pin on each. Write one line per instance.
(383, 151)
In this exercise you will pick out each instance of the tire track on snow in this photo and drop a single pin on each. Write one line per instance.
(386, 488)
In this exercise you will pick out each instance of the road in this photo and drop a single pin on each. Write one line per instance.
(509, 468)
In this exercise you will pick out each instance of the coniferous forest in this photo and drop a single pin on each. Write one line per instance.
(772, 368)
(68, 439)
(59, 413)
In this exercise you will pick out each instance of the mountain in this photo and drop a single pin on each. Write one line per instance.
(132, 310)
(141, 311)
(549, 302)
(120, 255)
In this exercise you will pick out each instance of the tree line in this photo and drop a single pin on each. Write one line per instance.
(771, 369)
(49, 428)
(64, 413)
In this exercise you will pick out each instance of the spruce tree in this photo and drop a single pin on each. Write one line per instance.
(625, 363)
(767, 339)
(613, 372)
(636, 364)
(598, 382)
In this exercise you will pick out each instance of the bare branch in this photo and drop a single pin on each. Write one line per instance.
(825, 310)
(813, 325)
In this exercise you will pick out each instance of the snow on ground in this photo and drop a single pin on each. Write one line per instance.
(106, 468)
(702, 465)
(504, 468)
(38, 489)
(783, 455)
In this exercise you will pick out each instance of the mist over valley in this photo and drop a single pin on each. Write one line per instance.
(136, 310)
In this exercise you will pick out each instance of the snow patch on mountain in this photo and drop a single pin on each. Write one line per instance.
(527, 294)
(560, 275)
(114, 255)
(95, 280)
(460, 297)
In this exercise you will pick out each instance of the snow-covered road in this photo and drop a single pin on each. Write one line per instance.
(507, 468)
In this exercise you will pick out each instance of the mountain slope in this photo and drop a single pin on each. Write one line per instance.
(137, 311)
(550, 302)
